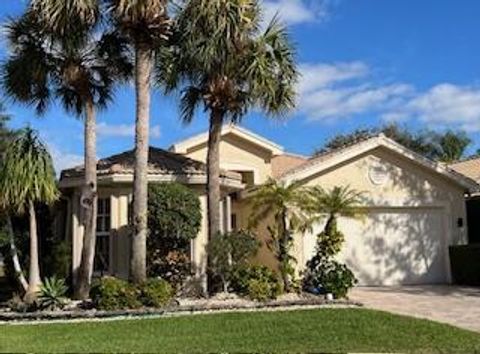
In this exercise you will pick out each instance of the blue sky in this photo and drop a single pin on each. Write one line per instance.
(363, 62)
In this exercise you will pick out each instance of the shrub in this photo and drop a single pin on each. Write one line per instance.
(230, 251)
(174, 267)
(174, 219)
(58, 263)
(324, 274)
(257, 282)
(110, 293)
(52, 294)
(173, 212)
(328, 276)
(259, 290)
(156, 293)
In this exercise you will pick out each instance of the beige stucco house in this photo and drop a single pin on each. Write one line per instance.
(470, 167)
(414, 208)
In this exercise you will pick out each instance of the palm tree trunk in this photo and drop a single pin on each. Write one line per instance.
(143, 69)
(285, 252)
(89, 204)
(213, 173)
(34, 269)
(17, 267)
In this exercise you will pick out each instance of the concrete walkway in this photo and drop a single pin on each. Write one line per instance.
(458, 306)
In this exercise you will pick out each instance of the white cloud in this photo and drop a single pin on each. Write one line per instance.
(330, 91)
(297, 11)
(63, 160)
(316, 76)
(123, 130)
(445, 104)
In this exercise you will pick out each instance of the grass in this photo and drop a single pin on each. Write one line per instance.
(323, 330)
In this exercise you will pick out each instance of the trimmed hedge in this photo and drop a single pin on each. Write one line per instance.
(465, 264)
(110, 294)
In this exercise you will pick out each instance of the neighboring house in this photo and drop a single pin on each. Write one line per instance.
(471, 168)
(414, 208)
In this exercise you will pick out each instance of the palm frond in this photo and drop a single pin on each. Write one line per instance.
(27, 173)
(338, 201)
(146, 22)
(191, 98)
(44, 66)
(58, 15)
(219, 49)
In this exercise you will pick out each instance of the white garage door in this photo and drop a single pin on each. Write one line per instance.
(393, 246)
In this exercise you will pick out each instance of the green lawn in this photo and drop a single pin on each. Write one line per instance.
(324, 330)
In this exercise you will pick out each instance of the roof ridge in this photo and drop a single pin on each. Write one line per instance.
(317, 158)
(350, 144)
(226, 129)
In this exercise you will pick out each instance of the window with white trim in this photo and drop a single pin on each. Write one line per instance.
(102, 252)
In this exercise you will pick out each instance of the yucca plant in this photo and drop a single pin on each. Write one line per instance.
(52, 294)
(27, 177)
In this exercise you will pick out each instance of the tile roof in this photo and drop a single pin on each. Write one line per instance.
(283, 163)
(469, 167)
(159, 162)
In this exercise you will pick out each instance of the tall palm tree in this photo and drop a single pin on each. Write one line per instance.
(80, 71)
(285, 203)
(147, 26)
(27, 177)
(223, 61)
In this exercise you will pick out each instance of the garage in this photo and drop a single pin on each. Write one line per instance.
(396, 246)
(413, 210)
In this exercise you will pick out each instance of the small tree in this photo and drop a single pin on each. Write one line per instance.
(174, 219)
(286, 204)
(230, 251)
(339, 201)
(322, 270)
(27, 177)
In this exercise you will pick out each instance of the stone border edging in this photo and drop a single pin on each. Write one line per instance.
(45, 316)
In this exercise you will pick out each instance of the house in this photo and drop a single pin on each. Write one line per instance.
(414, 208)
(470, 167)
(115, 181)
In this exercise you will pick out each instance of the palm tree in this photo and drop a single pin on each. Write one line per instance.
(286, 204)
(223, 61)
(6, 136)
(338, 201)
(80, 71)
(147, 26)
(27, 177)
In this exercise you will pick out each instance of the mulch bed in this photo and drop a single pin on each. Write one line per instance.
(201, 307)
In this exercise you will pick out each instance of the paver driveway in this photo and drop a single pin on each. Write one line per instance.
(458, 306)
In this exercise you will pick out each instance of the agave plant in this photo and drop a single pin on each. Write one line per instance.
(52, 294)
